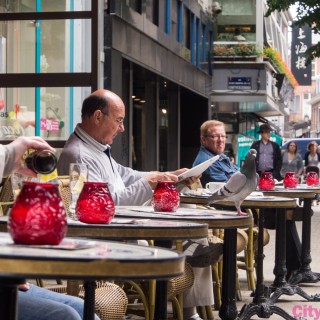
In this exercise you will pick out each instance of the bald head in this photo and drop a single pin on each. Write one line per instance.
(100, 99)
(102, 115)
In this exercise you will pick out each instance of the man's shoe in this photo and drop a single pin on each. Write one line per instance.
(201, 256)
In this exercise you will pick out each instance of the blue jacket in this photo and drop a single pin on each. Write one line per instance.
(220, 171)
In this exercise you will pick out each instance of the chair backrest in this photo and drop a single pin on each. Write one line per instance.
(6, 195)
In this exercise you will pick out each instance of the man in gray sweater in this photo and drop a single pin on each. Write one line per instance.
(103, 113)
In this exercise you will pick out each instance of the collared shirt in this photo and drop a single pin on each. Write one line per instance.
(219, 171)
(266, 157)
(127, 186)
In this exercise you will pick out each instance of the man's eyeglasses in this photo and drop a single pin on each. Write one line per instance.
(216, 136)
(119, 120)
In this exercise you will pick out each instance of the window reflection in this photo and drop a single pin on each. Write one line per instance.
(44, 5)
(45, 46)
(53, 121)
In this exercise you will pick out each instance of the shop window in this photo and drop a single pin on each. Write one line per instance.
(237, 32)
(168, 124)
(46, 112)
(44, 5)
(46, 65)
(187, 28)
(47, 46)
(237, 18)
(152, 11)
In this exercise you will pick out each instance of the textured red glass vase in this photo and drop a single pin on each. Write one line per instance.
(312, 179)
(290, 180)
(266, 181)
(38, 216)
(95, 203)
(165, 197)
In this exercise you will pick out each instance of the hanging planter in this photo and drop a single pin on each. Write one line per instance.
(249, 52)
(234, 58)
(242, 51)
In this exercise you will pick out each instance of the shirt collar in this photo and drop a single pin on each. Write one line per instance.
(211, 153)
(89, 140)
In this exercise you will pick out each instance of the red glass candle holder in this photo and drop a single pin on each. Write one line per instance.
(290, 180)
(38, 216)
(95, 203)
(266, 181)
(312, 179)
(165, 197)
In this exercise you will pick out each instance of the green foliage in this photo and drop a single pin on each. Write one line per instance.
(308, 13)
(249, 50)
(275, 57)
(242, 50)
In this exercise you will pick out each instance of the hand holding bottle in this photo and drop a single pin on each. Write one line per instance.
(19, 146)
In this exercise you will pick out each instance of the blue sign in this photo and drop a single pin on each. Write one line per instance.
(239, 83)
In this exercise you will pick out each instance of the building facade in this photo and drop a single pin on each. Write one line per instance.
(314, 101)
(173, 51)
(164, 58)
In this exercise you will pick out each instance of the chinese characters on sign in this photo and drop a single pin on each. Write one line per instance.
(301, 41)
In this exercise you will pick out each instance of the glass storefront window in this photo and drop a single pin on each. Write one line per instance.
(44, 5)
(237, 21)
(46, 65)
(168, 123)
(45, 46)
(48, 112)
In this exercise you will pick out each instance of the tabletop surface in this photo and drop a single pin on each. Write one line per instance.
(79, 258)
(301, 191)
(214, 218)
(256, 199)
(133, 229)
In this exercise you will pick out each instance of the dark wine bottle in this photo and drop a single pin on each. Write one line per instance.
(41, 161)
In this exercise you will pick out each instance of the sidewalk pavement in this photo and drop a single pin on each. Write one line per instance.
(294, 305)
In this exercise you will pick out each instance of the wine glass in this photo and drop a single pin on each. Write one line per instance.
(78, 173)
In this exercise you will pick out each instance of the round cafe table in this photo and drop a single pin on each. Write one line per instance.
(95, 260)
(263, 305)
(161, 231)
(218, 219)
(307, 194)
(134, 229)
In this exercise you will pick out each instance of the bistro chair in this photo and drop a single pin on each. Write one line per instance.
(6, 195)
(110, 300)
